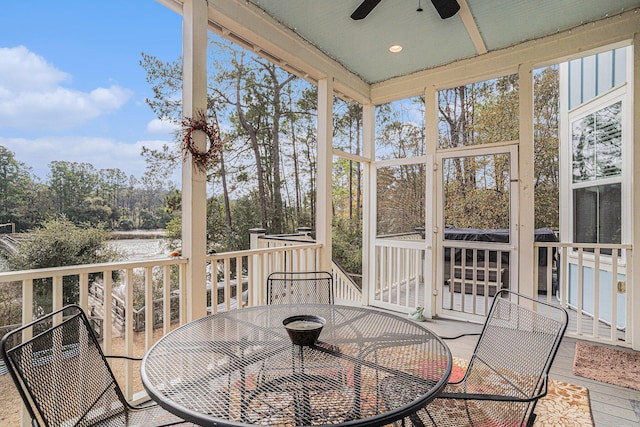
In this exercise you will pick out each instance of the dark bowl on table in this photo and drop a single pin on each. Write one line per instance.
(304, 329)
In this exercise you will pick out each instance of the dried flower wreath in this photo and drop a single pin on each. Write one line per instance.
(202, 160)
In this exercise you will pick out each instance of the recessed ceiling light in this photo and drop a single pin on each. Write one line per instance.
(395, 48)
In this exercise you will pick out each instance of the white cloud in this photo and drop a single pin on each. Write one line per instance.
(102, 153)
(32, 95)
(22, 70)
(162, 127)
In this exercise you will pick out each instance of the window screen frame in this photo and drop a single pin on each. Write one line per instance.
(618, 94)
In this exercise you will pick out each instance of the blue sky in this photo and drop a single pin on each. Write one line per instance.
(71, 87)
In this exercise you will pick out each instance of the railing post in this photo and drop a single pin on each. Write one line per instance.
(305, 231)
(255, 234)
(420, 269)
(311, 258)
(27, 316)
(256, 276)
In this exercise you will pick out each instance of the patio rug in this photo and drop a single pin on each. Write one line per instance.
(565, 405)
(608, 365)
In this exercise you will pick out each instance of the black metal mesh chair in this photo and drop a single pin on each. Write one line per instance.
(315, 287)
(64, 379)
(507, 373)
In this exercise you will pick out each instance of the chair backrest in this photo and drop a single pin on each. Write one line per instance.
(517, 346)
(61, 372)
(314, 287)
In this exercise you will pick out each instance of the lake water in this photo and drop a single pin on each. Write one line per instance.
(133, 249)
(140, 249)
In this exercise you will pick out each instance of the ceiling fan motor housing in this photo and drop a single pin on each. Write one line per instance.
(446, 8)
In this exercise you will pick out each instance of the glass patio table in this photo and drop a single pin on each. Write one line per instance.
(240, 368)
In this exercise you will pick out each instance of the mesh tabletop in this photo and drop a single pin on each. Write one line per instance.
(241, 368)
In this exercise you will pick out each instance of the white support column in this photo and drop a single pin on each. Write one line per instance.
(368, 207)
(432, 256)
(324, 212)
(526, 218)
(564, 157)
(194, 102)
(633, 284)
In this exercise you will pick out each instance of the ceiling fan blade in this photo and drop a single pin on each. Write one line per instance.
(446, 8)
(364, 9)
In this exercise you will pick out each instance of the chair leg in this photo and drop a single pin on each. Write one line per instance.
(416, 421)
(531, 420)
(412, 420)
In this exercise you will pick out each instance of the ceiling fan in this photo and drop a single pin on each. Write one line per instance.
(446, 8)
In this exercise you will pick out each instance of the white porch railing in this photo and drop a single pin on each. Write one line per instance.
(599, 303)
(132, 330)
(398, 282)
(593, 285)
(253, 267)
(591, 282)
(159, 276)
(346, 291)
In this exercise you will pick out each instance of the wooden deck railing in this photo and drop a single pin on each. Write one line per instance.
(398, 281)
(590, 281)
(346, 290)
(237, 279)
(159, 276)
(254, 266)
(115, 293)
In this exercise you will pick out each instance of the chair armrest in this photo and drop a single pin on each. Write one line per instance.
(110, 356)
(497, 397)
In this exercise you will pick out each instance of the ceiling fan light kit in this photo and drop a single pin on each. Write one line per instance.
(445, 8)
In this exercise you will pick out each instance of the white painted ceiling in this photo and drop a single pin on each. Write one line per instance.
(427, 40)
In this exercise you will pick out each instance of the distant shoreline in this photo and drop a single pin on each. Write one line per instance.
(137, 234)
